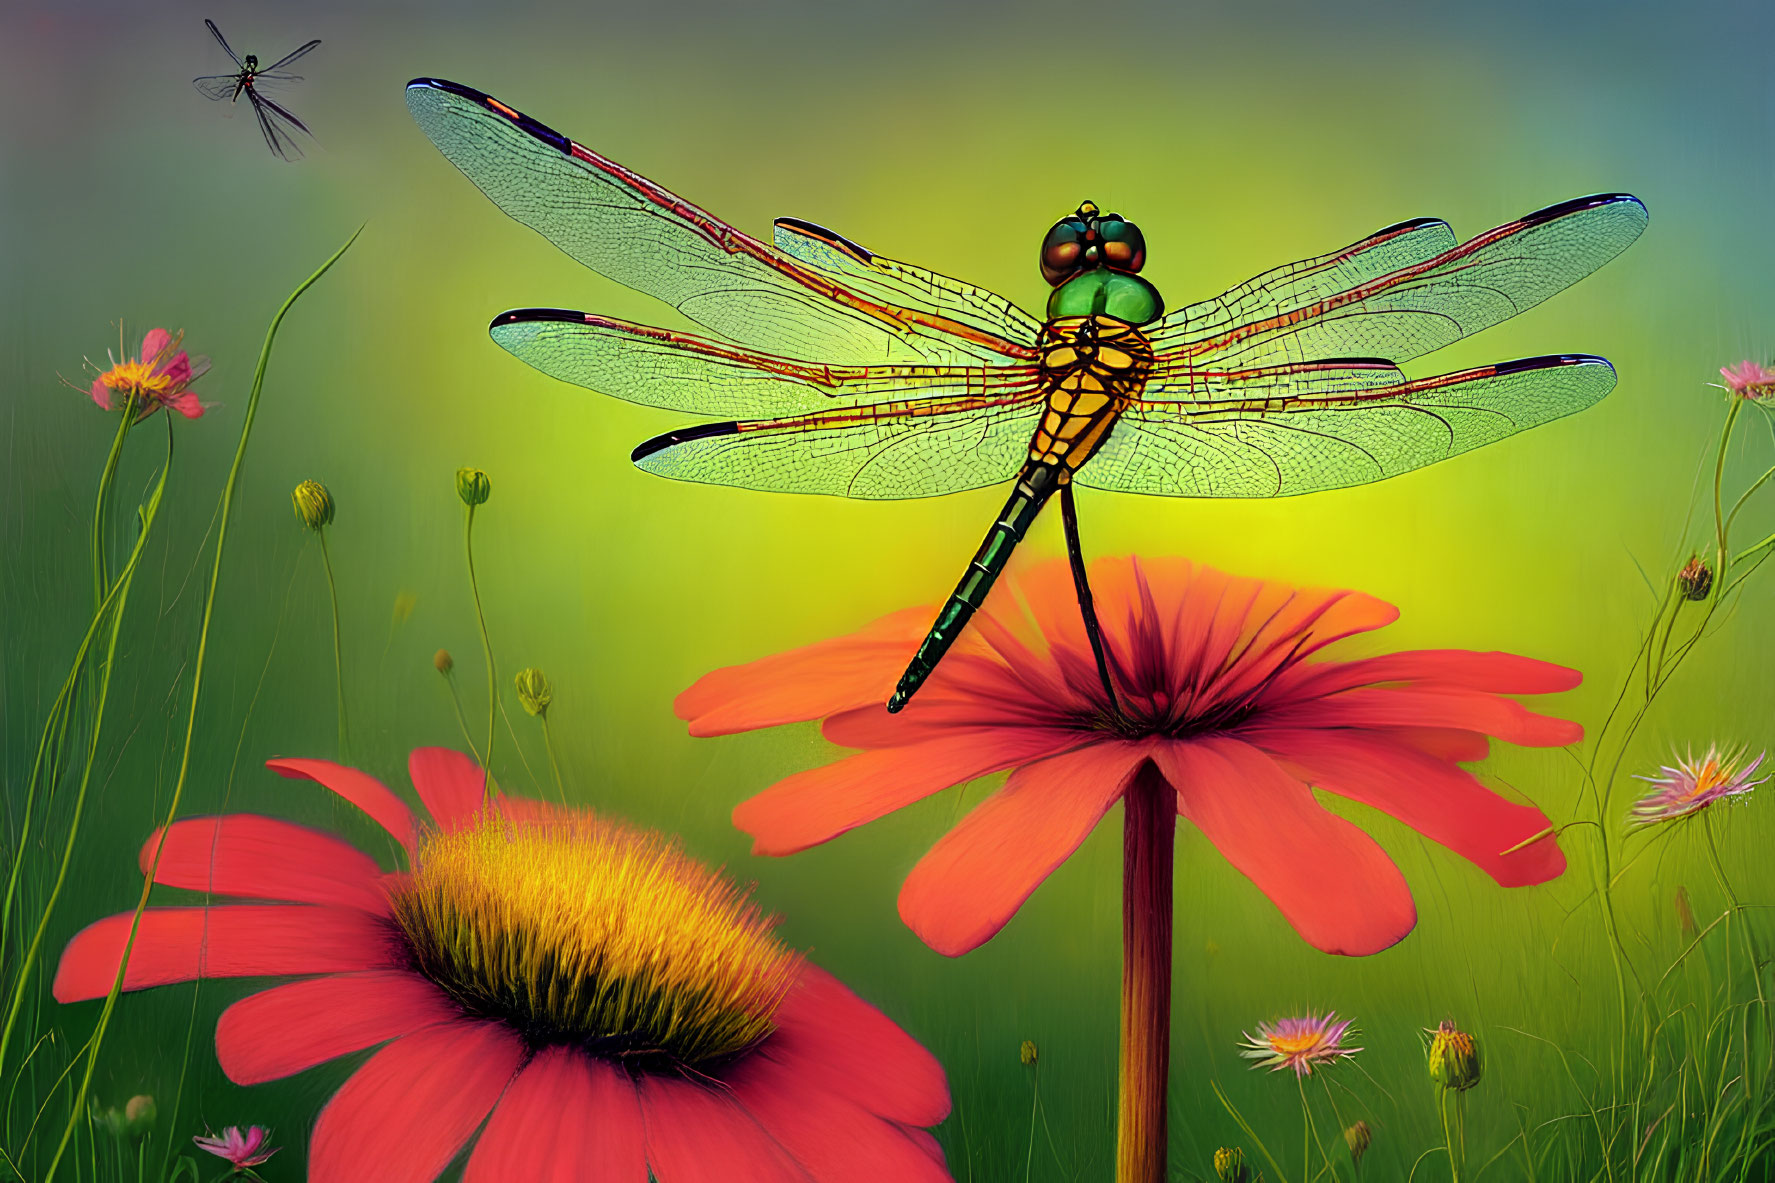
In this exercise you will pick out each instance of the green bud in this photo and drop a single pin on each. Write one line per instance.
(1454, 1059)
(1357, 1138)
(534, 691)
(1027, 1053)
(314, 505)
(139, 1114)
(444, 662)
(1229, 1165)
(473, 486)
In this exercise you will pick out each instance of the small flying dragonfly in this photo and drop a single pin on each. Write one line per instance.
(850, 373)
(250, 80)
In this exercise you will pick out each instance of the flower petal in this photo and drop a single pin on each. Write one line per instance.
(567, 1118)
(237, 941)
(817, 805)
(451, 784)
(841, 1044)
(288, 1029)
(185, 403)
(154, 343)
(697, 1134)
(972, 882)
(408, 1111)
(101, 394)
(1331, 881)
(262, 858)
(359, 788)
(805, 683)
(1442, 802)
(1430, 706)
(1493, 673)
(837, 1140)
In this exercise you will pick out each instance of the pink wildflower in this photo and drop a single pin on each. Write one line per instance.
(242, 1148)
(159, 378)
(1749, 379)
(1693, 785)
(1299, 1043)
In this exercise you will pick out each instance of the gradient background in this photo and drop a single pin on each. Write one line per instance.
(1240, 136)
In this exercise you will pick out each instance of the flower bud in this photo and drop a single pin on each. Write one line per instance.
(1229, 1165)
(534, 691)
(1357, 1138)
(1454, 1057)
(444, 662)
(1695, 580)
(139, 1114)
(1027, 1053)
(109, 1120)
(314, 505)
(473, 486)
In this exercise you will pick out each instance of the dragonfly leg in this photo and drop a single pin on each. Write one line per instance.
(1082, 586)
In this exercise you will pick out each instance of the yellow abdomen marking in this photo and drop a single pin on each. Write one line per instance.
(1091, 366)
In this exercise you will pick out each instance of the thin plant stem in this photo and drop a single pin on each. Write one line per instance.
(107, 477)
(1149, 826)
(338, 651)
(1035, 1096)
(548, 745)
(117, 598)
(203, 634)
(1075, 555)
(1454, 1170)
(461, 719)
(468, 546)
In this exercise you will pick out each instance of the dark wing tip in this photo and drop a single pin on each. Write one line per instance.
(1551, 361)
(1408, 225)
(531, 315)
(830, 237)
(1579, 204)
(493, 106)
(660, 443)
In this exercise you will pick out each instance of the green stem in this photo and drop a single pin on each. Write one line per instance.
(100, 584)
(1454, 1171)
(1306, 1130)
(548, 745)
(338, 652)
(468, 543)
(1035, 1093)
(203, 635)
(115, 600)
(1719, 470)
(461, 719)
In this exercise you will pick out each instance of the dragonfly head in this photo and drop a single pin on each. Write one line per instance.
(1090, 238)
(251, 63)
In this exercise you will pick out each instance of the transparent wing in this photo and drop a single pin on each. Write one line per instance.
(1301, 428)
(216, 86)
(637, 233)
(681, 372)
(289, 57)
(223, 42)
(1302, 312)
(918, 448)
(275, 124)
(893, 282)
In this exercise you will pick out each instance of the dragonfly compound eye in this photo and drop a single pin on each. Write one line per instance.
(1124, 246)
(1065, 248)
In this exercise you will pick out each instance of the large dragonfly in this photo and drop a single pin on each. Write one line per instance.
(849, 373)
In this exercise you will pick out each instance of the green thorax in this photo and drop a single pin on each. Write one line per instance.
(1102, 291)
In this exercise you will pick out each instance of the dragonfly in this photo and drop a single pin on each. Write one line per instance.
(837, 370)
(275, 121)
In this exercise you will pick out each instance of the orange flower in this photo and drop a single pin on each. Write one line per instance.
(1221, 686)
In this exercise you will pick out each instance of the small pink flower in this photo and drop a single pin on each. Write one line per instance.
(1749, 379)
(241, 1148)
(1299, 1043)
(160, 378)
(1693, 785)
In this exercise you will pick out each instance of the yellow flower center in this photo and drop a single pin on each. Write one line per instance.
(139, 378)
(577, 930)
(1709, 777)
(1294, 1045)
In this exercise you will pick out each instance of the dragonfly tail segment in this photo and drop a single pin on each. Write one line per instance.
(1035, 485)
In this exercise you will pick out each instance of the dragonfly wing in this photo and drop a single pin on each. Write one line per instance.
(223, 42)
(1284, 430)
(639, 234)
(217, 86)
(1415, 308)
(893, 282)
(682, 372)
(915, 448)
(272, 125)
(291, 56)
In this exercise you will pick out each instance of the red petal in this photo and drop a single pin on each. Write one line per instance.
(817, 805)
(262, 858)
(1493, 673)
(237, 941)
(567, 1118)
(972, 882)
(837, 1140)
(408, 1111)
(287, 1029)
(1441, 802)
(1334, 885)
(975, 696)
(839, 1043)
(805, 683)
(927, 1145)
(359, 788)
(1467, 710)
(154, 343)
(697, 1134)
(452, 785)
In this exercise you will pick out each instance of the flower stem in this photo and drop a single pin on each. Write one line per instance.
(468, 544)
(1035, 1096)
(100, 583)
(548, 744)
(1454, 1171)
(203, 634)
(338, 653)
(1149, 827)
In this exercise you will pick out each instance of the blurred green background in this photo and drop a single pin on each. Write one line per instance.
(1240, 136)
